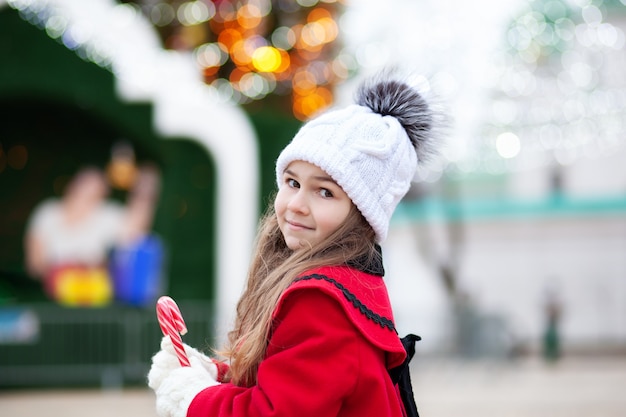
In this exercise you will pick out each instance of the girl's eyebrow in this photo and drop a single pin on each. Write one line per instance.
(324, 178)
(290, 172)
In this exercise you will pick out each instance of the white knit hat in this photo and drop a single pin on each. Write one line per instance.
(370, 149)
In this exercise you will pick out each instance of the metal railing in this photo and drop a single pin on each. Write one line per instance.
(109, 346)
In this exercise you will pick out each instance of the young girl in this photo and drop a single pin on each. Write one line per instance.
(314, 332)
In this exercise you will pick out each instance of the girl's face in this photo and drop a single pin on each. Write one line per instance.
(309, 205)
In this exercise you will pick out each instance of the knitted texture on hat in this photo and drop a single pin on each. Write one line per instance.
(368, 155)
(365, 148)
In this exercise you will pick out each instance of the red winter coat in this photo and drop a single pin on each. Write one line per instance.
(332, 344)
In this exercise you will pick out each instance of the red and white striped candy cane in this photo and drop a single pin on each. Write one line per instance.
(172, 325)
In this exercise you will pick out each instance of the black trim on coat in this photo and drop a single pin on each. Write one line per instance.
(383, 322)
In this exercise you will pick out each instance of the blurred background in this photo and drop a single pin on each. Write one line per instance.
(137, 149)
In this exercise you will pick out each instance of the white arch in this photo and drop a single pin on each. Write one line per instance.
(116, 36)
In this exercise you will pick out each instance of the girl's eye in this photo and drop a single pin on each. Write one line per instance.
(293, 183)
(325, 193)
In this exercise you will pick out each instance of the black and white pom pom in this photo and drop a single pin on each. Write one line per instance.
(391, 96)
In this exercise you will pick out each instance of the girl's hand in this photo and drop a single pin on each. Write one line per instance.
(176, 391)
(165, 361)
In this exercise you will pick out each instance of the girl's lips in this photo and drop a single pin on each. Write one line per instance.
(296, 225)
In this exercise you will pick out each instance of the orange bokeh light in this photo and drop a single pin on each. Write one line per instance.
(210, 71)
(317, 14)
(236, 74)
(229, 37)
(239, 54)
(306, 106)
(303, 82)
(249, 16)
(285, 61)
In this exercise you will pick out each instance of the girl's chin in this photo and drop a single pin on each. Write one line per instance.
(294, 243)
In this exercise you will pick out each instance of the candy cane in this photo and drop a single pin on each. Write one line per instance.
(172, 325)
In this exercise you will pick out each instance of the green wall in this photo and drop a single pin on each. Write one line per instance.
(65, 112)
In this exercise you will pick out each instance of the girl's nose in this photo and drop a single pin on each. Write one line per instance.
(298, 203)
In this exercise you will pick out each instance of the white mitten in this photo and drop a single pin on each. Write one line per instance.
(178, 389)
(165, 361)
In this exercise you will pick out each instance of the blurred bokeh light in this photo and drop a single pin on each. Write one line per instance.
(559, 84)
(254, 48)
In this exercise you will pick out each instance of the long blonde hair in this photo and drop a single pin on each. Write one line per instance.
(274, 267)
